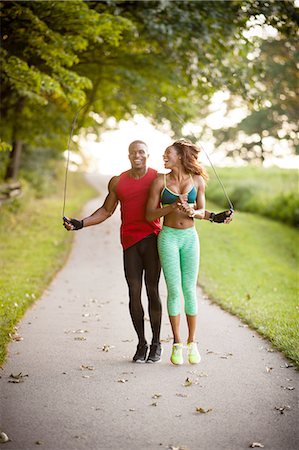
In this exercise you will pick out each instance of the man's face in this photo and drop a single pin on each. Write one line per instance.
(138, 155)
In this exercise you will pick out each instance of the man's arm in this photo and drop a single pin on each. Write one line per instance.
(101, 214)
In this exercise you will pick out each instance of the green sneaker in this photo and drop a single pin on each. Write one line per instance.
(177, 354)
(193, 353)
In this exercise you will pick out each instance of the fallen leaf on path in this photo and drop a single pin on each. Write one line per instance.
(287, 365)
(17, 378)
(80, 338)
(85, 376)
(226, 355)
(86, 315)
(17, 338)
(38, 443)
(154, 404)
(156, 395)
(202, 410)
(106, 348)
(83, 367)
(189, 382)
(3, 437)
(122, 380)
(132, 409)
(256, 445)
(288, 388)
(268, 369)
(282, 409)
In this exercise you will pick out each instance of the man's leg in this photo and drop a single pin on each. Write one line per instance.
(133, 272)
(152, 267)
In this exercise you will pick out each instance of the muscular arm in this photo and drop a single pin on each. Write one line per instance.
(108, 207)
(102, 213)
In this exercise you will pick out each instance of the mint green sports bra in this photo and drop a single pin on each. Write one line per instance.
(168, 197)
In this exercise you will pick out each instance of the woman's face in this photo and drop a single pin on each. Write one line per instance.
(171, 158)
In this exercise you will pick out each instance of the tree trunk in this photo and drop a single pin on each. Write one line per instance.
(12, 170)
(14, 161)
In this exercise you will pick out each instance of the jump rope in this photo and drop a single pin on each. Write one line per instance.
(231, 207)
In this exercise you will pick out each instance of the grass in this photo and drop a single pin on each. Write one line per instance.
(270, 192)
(250, 268)
(33, 247)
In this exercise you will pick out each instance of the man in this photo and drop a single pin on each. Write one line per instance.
(139, 241)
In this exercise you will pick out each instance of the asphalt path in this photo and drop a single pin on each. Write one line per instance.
(78, 389)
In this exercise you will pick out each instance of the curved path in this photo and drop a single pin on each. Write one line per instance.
(80, 390)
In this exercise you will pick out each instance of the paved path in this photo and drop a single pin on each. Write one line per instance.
(75, 395)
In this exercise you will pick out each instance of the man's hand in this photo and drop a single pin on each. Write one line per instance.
(72, 224)
(222, 217)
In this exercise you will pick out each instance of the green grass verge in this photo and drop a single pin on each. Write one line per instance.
(250, 268)
(33, 247)
(270, 192)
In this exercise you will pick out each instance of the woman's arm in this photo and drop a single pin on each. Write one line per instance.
(153, 209)
(199, 211)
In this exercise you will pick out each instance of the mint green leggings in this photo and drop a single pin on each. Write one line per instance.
(179, 256)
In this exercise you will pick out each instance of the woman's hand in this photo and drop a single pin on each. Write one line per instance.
(184, 206)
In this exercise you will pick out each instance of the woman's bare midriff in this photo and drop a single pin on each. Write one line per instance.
(178, 219)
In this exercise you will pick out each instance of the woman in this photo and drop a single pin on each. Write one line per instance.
(182, 195)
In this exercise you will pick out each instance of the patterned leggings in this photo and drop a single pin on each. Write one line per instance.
(179, 256)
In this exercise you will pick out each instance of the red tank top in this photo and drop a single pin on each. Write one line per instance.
(132, 194)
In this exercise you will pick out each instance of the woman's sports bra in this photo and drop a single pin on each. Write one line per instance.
(168, 197)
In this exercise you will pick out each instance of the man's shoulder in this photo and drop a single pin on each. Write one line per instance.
(113, 182)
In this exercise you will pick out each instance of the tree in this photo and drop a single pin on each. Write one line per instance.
(274, 119)
(123, 56)
(41, 43)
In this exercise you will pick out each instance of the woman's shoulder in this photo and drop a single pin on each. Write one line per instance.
(159, 180)
(198, 180)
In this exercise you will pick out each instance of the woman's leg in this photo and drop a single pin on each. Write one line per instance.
(170, 260)
(175, 326)
(189, 268)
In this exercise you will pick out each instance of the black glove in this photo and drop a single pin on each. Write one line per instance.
(220, 217)
(77, 224)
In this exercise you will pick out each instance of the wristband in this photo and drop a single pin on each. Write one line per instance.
(211, 218)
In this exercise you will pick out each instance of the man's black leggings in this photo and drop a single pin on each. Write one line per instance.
(140, 258)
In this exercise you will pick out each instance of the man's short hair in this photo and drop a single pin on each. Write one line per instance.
(137, 142)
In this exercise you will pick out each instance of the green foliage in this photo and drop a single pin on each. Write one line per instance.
(268, 192)
(274, 113)
(124, 56)
(250, 268)
(4, 146)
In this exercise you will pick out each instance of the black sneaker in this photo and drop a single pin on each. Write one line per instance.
(140, 355)
(155, 354)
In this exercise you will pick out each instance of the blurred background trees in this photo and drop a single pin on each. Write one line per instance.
(125, 56)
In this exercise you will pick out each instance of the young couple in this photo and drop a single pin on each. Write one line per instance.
(145, 196)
